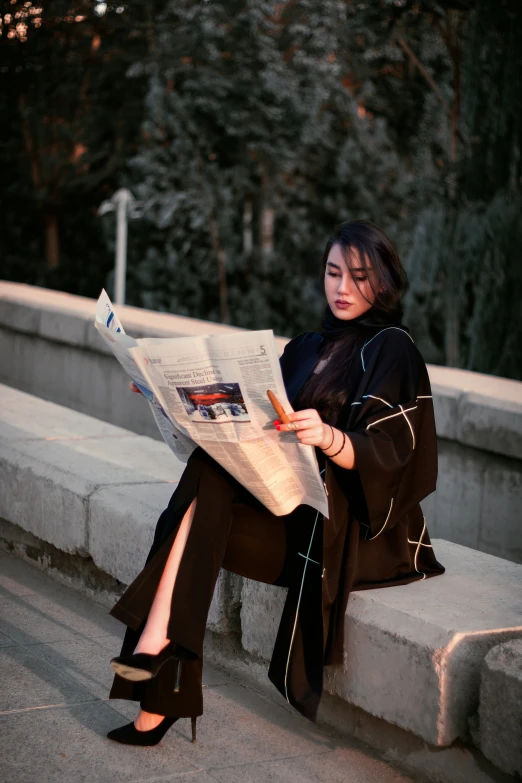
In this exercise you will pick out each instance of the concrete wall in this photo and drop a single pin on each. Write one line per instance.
(49, 347)
(420, 658)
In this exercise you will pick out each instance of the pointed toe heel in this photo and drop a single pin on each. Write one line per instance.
(130, 735)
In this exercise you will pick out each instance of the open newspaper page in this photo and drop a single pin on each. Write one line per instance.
(111, 330)
(210, 391)
(215, 390)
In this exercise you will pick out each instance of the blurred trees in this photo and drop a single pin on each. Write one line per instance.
(248, 130)
(70, 120)
(234, 108)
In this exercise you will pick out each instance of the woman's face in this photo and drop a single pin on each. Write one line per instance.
(348, 289)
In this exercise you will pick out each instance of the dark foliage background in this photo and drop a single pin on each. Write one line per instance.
(247, 130)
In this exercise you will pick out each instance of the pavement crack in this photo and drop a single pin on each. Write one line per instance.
(60, 705)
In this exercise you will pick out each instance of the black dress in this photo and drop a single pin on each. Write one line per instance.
(375, 534)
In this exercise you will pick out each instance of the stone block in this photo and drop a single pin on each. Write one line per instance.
(500, 528)
(453, 511)
(445, 404)
(60, 373)
(491, 423)
(26, 417)
(122, 521)
(53, 459)
(101, 461)
(224, 613)
(43, 499)
(500, 710)
(414, 652)
(261, 609)
(478, 410)
(15, 317)
(61, 325)
(15, 370)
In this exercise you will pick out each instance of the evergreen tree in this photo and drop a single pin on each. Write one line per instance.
(455, 68)
(69, 119)
(236, 102)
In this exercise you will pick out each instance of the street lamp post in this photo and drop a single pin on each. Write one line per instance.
(126, 207)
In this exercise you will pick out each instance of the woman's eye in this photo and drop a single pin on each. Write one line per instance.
(332, 274)
(365, 277)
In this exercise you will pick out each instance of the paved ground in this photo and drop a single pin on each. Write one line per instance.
(55, 647)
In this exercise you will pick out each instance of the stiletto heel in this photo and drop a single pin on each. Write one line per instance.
(177, 680)
(193, 724)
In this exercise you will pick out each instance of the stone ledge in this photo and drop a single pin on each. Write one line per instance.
(474, 409)
(90, 488)
(414, 652)
(478, 410)
(67, 318)
(52, 460)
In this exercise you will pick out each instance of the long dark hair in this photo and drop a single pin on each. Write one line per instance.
(327, 390)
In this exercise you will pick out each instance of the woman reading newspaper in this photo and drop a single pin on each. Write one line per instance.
(361, 395)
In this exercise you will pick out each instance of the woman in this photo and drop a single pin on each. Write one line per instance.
(362, 398)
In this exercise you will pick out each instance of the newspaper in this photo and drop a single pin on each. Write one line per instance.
(210, 391)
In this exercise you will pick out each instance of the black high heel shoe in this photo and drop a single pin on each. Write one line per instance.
(130, 735)
(145, 666)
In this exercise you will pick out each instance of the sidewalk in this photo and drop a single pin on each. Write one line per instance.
(55, 648)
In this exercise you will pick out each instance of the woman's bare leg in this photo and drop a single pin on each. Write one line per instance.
(154, 635)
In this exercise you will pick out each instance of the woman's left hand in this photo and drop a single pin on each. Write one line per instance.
(308, 426)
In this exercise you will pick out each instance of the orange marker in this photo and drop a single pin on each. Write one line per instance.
(278, 407)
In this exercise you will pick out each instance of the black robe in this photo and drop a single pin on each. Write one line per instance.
(375, 534)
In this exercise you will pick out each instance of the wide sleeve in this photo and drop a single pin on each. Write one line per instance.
(392, 429)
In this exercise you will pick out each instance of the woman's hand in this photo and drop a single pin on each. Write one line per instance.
(308, 427)
(133, 387)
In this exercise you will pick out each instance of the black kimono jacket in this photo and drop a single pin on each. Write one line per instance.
(375, 534)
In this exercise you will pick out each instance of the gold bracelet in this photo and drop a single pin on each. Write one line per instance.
(338, 452)
(331, 442)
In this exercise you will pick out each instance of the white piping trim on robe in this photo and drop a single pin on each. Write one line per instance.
(385, 523)
(402, 412)
(419, 544)
(419, 397)
(376, 335)
(309, 558)
(377, 398)
(298, 603)
(409, 424)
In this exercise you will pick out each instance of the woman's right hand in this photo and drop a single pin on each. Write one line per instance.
(133, 387)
